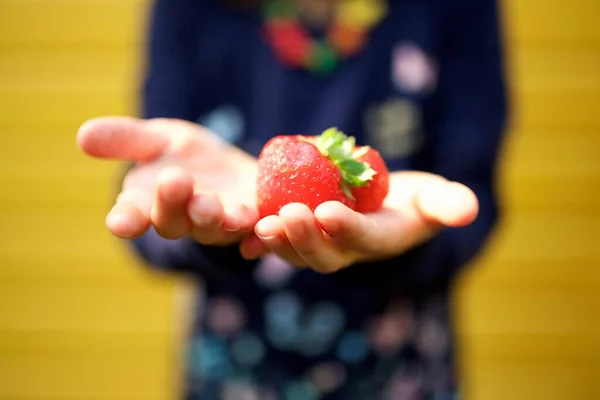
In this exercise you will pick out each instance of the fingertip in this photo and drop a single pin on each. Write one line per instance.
(175, 185)
(252, 248)
(126, 222)
(239, 217)
(466, 203)
(96, 129)
(452, 204)
(331, 208)
(331, 215)
(123, 138)
(294, 210)
(85, 131)
(206, 210)
(299, 223)
(269, 227)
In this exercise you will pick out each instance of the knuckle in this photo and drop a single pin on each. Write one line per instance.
(311, 253)
(331, 266)
(131, 178)
(208, 222)
(183, 144)
(129, 195)
(140, 176)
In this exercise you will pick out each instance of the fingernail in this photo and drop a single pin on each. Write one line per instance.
(202, 209)
(267, 238)
(235, 221)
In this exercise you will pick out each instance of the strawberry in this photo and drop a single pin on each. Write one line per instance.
(315, 169)
(370, 197)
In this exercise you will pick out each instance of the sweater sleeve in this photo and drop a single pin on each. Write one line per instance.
(471, 104)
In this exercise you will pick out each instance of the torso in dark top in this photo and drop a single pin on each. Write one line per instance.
(384, 96)
(270, 332)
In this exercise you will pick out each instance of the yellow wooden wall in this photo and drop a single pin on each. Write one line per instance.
(530, 315)
(81, 320)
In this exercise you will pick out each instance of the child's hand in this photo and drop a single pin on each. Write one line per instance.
(335, 237)
(186, 182)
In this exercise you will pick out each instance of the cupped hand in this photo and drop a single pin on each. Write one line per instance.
(186, 182)
(335, 237)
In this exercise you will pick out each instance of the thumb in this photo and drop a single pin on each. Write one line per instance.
(449, 203)
(121, 138)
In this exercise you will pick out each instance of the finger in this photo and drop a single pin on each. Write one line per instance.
(121, 138)
(206, 213)
(448, 203)
(130, 216)
(174, 189)
(307, 238)
(252, 248)
(239, 217)
(271, 232)
(437, 203)
(350, 229)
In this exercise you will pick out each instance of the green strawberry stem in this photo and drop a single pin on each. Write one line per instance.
(342, 151)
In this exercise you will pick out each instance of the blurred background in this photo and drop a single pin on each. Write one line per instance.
(81, 319)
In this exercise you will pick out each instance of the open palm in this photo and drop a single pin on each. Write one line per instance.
(185, 181)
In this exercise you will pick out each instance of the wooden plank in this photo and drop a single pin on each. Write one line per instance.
(29, 68)
(517, 380)
(568, 69)
(559, 274)
(89, 22)
(56, 233)
(65, 107)
(39, 306)
(553, 154)
(579, 348)
(79, 343)
(562, 194)
(556, 109)
(530, 310)
(552, 22)
(547, 235)
(103, 377)
(29, 154)
(61, 190)
(104, 271)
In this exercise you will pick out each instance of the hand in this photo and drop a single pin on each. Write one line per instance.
(335, 237)
(186, 181)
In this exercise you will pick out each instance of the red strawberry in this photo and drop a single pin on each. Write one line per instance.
(369, 198)
(313, 170)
